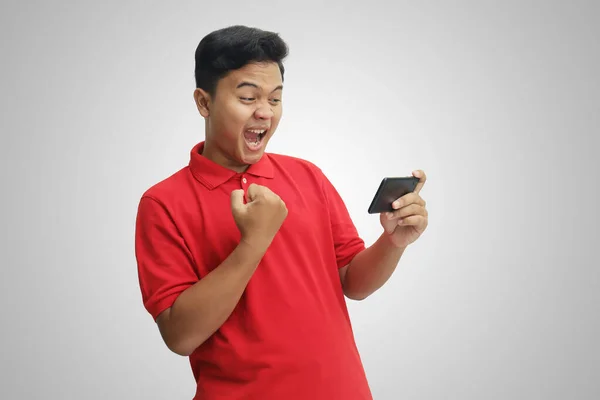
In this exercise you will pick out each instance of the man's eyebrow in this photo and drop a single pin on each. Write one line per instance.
(242, 84)
(246, 84)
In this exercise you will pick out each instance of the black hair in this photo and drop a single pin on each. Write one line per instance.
(232, 48)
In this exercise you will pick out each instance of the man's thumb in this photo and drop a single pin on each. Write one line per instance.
(237, 200)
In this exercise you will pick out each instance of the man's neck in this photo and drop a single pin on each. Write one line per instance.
(221, 159)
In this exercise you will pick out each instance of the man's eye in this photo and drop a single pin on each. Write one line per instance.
(247, 98)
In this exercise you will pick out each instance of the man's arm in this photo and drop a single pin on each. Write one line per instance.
(202, 308)
(371, 268)
(188, 311)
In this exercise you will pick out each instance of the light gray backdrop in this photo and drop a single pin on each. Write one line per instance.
(497, 101)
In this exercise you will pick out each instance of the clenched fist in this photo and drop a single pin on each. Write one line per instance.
(258, 220)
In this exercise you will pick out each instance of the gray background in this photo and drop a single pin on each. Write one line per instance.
(497, 101)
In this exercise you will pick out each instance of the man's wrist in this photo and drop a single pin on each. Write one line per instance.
(390, 244)
(255, 246)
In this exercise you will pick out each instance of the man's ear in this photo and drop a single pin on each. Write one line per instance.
(202, 102)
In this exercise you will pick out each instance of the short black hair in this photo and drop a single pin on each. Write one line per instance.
(232, 48)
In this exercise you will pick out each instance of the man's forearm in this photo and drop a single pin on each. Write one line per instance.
(201, 309)
(371, 268)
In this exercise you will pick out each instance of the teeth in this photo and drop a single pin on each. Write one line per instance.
(255, 142)
(257, 131)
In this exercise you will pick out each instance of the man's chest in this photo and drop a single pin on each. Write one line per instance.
(210, 232)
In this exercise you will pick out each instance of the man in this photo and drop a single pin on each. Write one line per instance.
(245, 257)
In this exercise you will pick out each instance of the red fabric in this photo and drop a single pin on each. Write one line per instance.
(290, 336)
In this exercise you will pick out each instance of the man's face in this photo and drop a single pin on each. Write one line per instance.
(243, 115)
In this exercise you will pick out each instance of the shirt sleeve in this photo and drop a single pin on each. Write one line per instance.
(165, 264)
(346, 239)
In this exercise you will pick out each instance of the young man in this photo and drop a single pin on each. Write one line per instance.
(245, 257)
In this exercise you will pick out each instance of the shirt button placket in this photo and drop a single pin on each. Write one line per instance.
(244, 184)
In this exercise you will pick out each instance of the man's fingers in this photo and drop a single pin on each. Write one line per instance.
(408, 199)
(253, 191)
(413, 220)
(422, 178)
(413, 209)
(237, 199)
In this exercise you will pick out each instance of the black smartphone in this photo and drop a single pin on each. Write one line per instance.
(389, 191)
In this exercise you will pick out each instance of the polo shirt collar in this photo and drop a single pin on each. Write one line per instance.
(212, 175)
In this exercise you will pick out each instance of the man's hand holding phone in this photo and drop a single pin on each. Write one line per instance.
(407, 217)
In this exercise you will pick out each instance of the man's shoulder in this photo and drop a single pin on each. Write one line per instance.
(168, 188)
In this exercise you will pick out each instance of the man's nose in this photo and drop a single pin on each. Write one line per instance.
(264, 111)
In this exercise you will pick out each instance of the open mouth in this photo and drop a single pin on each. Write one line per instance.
(254, 137)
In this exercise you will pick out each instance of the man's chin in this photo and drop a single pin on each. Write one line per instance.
(250, 158)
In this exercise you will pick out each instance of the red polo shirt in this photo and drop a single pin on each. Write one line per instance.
(290, 335)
